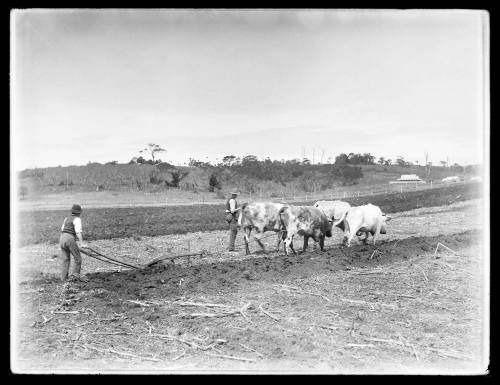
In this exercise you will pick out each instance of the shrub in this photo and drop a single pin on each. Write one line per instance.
(155, 178)
(164, 166)
(213, 183)
(140, 160)
(350, 174)
(177, 176)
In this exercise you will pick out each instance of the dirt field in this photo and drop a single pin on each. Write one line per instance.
(104, 223)
(335, 311)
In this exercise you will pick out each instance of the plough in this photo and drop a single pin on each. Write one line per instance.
(114, 261)
(103, 258)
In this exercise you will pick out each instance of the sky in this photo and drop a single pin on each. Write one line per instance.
(98, 85)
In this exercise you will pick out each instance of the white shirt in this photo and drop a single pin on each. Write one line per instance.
(77, 222)
(232, 205)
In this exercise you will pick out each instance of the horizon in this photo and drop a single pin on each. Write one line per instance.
(218, 161)
(96, 85)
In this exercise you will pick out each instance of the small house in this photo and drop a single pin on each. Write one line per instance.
(451, 179)
(408, 178)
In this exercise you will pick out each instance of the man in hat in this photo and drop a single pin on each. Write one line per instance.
(70, 242)
(232, 210)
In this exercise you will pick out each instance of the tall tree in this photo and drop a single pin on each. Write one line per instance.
(153, 149)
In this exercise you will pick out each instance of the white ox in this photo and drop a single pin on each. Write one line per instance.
(261, 216)
(367, 219)
(334, 210)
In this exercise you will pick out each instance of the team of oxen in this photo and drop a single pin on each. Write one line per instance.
(316, 222)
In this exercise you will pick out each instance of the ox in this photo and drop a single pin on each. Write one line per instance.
(367, 219)
(334, 210)
(310, 222)
(261, 216)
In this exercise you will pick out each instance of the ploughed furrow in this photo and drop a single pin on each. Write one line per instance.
(226, 276)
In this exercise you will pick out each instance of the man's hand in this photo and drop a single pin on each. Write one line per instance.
(82, 245)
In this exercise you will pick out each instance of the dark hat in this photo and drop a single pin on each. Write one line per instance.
(76, 209)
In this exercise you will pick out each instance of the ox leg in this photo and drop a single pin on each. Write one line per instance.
(246, 236)
(306, 241)
(377, 232)
(365, 241)
(322, 242)
(351, 236)
(281, 238)
(257, 238)
(289, 244)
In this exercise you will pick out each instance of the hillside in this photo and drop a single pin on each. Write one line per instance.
(270, 179)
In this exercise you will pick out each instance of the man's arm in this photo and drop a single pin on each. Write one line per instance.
(232, 205)
(78, 229)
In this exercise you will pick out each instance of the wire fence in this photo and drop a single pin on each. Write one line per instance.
(336, 194)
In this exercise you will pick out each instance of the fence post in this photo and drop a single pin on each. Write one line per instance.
(401, 189)
(431, 183)
(344, 194)
(358, 194)
(306, 197)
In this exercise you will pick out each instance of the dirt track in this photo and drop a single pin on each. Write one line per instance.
(333, 311)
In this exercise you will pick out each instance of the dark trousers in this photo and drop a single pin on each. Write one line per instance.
(68, 247)
(233, 230)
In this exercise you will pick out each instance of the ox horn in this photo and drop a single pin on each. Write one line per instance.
(340, 220)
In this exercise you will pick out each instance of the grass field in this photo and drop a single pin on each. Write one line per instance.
(404, 311)
(44, 225)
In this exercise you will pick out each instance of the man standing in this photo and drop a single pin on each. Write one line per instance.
(232, 218)
(70, 242)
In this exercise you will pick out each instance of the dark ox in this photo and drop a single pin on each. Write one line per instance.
(334, 210)
(261, 216)
(307, 221)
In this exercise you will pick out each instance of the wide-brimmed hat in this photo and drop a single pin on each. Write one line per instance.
(76, 209)
(234, 192)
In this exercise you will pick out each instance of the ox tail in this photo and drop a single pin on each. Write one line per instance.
(340, 220)
(240, 217)
(282, 220)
